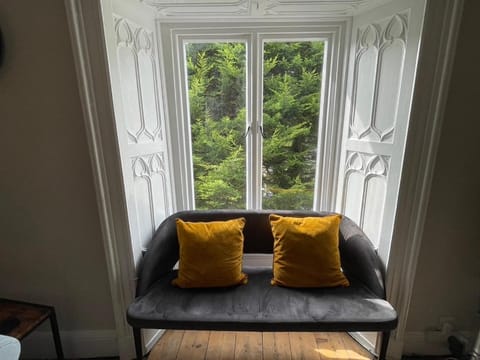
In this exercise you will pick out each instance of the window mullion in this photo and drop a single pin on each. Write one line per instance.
(253, 153)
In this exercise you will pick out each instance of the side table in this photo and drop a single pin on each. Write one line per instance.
(18, 319)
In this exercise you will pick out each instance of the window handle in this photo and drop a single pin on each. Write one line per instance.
(260, 127)
(247, 131)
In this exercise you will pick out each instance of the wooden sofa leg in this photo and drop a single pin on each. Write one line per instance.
(137, 336)
(384, 345)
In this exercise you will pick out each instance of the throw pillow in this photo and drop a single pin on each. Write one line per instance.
(305, 251)
(210, 253)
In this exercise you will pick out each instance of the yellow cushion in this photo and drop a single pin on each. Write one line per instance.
(305, 251)
(210, 253)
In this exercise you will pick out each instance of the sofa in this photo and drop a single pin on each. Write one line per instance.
(257, 305)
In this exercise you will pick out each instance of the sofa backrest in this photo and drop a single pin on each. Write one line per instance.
(358, 256)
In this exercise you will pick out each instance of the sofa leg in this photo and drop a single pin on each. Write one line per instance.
(384, 345)
(137, 336)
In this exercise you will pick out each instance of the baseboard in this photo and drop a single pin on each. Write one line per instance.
(76, 344)
(418, 343)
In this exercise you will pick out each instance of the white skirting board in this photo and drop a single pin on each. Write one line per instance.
(76, 344)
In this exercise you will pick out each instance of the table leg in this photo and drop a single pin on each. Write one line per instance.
(56, 335)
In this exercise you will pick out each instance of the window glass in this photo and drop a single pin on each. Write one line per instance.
(292, 75)
(216, 93)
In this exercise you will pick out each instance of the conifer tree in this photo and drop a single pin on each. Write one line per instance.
(291, 98)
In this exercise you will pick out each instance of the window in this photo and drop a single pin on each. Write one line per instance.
(249, 115)
(217, 111)
(291, 102)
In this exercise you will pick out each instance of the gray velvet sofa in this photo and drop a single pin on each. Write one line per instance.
(259, 306)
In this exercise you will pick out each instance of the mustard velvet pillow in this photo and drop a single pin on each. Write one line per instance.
(210, 253)
(305, 251)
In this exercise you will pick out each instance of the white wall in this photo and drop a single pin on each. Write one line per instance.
(448, 274)
(51, 247)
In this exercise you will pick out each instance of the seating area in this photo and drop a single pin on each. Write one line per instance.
(258, 305)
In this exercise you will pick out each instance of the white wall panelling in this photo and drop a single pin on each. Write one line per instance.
(136, 92)
(138, 76)
(261, 8)
(384, 50)
(365, 189)
(382, 67)
(144, 149)
(379, 62)
(151, 189)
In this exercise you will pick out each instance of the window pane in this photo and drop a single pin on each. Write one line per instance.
(291, 99)
(216, 90)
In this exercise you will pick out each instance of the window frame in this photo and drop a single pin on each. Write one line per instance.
(173, 36)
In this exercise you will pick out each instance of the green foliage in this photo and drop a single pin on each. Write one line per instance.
(291, 98)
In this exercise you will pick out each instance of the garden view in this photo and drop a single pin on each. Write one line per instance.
(217, 86)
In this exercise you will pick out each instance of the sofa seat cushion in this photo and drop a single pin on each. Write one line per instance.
(259, 306)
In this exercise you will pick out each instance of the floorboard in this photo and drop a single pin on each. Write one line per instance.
(193, 346)
(248, 345)
(276, 346)
(224, 345)
(221, 345)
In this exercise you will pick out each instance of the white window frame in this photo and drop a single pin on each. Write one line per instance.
(175, 35)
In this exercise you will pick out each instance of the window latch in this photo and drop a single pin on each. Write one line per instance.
(260, 128)
(247, 131)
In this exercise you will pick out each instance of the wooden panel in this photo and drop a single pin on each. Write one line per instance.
(352, 349)
(221, 345)
(276, 346)
(303, 346)
(194, 345)
(248, 345)
(167, 348)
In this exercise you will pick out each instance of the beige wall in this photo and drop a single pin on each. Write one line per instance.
(448, 275)
(51, 247)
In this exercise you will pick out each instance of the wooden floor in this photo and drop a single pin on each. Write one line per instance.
(208, 345)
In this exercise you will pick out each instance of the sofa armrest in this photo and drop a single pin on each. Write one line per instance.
(360, 260)
(161, 256)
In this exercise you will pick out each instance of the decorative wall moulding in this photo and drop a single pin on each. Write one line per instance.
(149, 194)
(135, 53)
(261, 8)
(379, 65)
(194, 8)
(148, 165)
(367, 164)
(323, 8)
